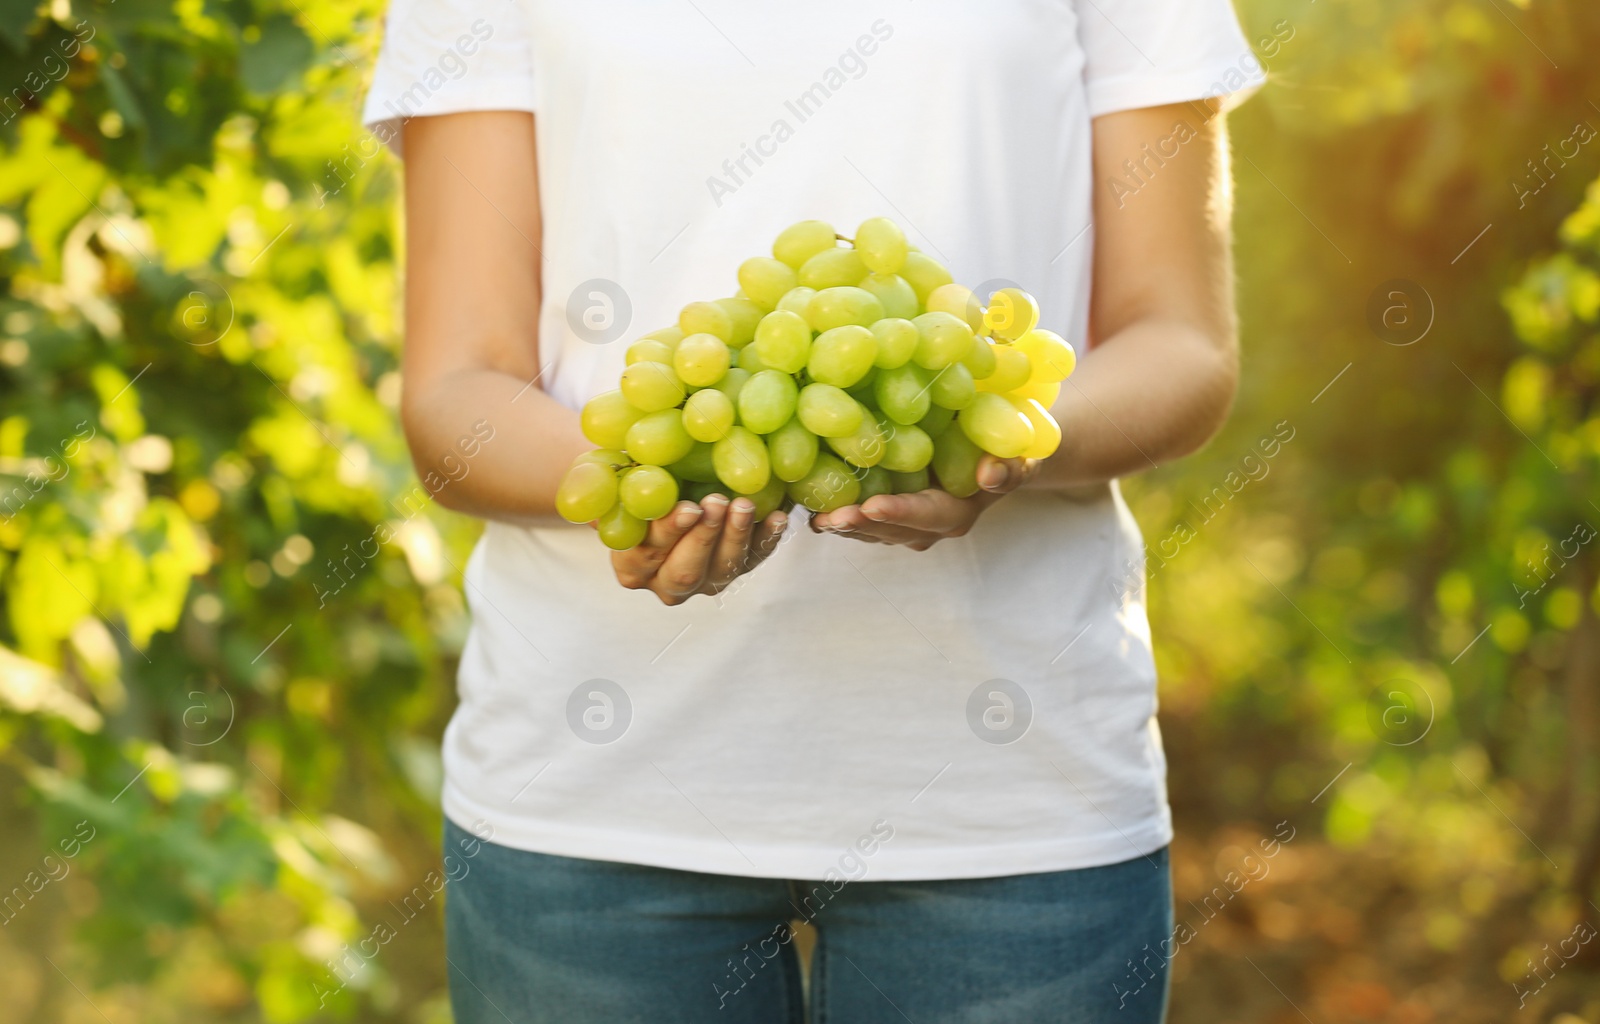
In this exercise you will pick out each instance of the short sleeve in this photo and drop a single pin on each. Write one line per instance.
(446, 57)
(1144, 53)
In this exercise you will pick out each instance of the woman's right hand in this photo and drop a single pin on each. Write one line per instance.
(698, 549)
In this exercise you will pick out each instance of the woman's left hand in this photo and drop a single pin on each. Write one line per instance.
(923, 519)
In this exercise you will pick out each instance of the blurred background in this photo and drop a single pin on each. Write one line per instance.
(1374, 595)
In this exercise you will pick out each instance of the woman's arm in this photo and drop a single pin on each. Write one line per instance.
(471, 361)
(1160, 381)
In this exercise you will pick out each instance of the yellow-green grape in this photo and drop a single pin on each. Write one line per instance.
(767, 499)
(767, 401)
(706, 318)
(828, 486)
(766, 280)
(902, 393)
(796, 299)
(648, 492)
(783, 340)
(620, 529)
(741, 461)
(1044, 394)
(980, 360)
(907, 450)
(937, 421)
(699, 490)
(750, 360)
(648, 350)
(605, 457)
(874, 481)
(833, 268)
(1012, 368)
(606, 417)
(651, 387)
(952, 387)
(958, 301)
(992, 423)
(799, 242)
(587, 492)
(942, 339)
(658, 439)
(955, 463)
(1012, 313)
(839, 307)
(792, 449)
(696, 466)
(897, 340)
(1053, 359)
(909, 483)
(864, 446)
(732, 382)
(701, 360)
(743, 315)
(842, 356)
(894, 293)
(1046, 431)
(668, 336)
(924, 274)
(828, 411)
(882, 245)
(707, 415)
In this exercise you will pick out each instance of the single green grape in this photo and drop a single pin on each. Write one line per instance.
(651, 387)
(696, 466)
(606, 457)
(980, 359)
(701, 360)
(907, 449)
(895, 294)
(864, 446)
(792, 450)
(699, 490)
(828, 486)
(1052, 358)
(732, 381)
(766, 280)
(1012, 368)
(937, 421)
(942, 339)
(767, 401)
(750, 360)
(783, 340)
(897, 341)
(668, 336)
(606, 417)
(648, 350)
(587, 492)
(875, 480)
(796, 299)
(882, 245)
(959, 302)
(743, 315)
(952, 387)
(768, 499)
(955, 462)
(648, 492)
(799, 242)
(707, 416)
(706, 318)
(741, 461)
(842, 356)
(620, 529)
(838, 307)
(902, 393)
(1012, 313)
(924, 274)
(828, 411)
(658, 438)
(833, 268)
(994, 424)
(909, 483)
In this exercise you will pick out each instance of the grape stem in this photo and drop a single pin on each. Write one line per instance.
(841, 238)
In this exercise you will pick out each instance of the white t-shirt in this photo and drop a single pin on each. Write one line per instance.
(983, 708)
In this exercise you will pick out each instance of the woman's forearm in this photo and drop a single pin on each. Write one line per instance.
(490, 445)
(1156, 391)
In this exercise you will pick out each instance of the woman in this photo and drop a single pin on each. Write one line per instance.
(940, 747)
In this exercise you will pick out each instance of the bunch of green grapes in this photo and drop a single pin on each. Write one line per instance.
(836, 372)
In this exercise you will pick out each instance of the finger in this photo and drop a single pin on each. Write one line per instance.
(684, 569)
(636, 566)
(998, 476)
(932, 511)
(733, 547)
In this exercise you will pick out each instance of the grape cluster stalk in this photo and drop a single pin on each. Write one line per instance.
(841, 369)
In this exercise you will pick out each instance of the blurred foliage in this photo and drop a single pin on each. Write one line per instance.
(1384, 631)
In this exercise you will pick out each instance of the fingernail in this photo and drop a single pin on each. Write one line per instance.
(875, 514)
(844, 528)
(687, 517)
(744, 506)
(779, 521)
(998, 475)
(715, 507)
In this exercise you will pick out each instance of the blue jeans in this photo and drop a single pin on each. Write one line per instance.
(534, 938)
